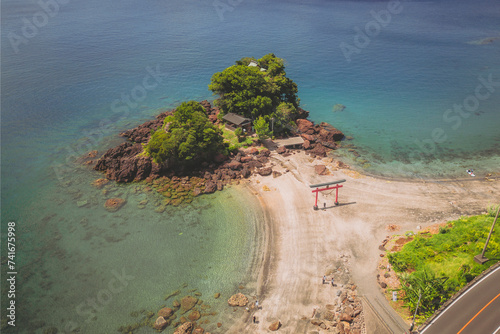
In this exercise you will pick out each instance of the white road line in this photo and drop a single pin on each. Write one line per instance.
(449, 306)
(498, 330)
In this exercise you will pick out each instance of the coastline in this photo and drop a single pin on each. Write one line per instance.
(302, 245)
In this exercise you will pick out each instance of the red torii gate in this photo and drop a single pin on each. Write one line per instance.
(327, 184)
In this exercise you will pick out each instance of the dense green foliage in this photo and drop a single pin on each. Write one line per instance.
(441, 264)
(255, 91)
(187, 136)
(261, 127)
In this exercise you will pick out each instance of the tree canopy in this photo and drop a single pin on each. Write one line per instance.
(187, 136)
(255, 91)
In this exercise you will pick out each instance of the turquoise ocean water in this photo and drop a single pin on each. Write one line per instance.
(410, 87)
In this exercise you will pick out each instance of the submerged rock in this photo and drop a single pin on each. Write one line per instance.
(194, 315)
(185, 328)
(238, 299)
(338, 107)
(187, 303)
(160, 323)
(81, 204)
(99, 183)
(165, 312)
(114, 204)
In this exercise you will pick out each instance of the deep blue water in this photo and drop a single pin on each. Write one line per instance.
(61, 92)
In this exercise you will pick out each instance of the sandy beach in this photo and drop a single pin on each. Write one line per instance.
(301, 244)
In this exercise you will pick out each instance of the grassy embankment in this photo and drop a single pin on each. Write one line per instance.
(439, 265)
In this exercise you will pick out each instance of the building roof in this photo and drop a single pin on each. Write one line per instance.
(290, 141)
(253, 63)
(236, 119)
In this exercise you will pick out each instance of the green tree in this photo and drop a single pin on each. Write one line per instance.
(261, 127)
(254, 91)
(283, 118)
(187, 137)
(239, 134)
(241, 89)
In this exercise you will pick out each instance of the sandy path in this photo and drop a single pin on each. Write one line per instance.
(304, 244)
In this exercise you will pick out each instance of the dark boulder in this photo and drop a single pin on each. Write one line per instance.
(210, 187)
(245, 172)
(330, 133)
(319, 150)
(144, 166)
(320, 169)
(234, 165)
(265, 171)
(305, 126)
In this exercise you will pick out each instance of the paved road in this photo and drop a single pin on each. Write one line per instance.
(477, 311)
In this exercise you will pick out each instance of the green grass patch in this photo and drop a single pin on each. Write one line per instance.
(232, 140)
(440, 265)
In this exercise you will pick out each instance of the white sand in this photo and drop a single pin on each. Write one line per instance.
(302, 245)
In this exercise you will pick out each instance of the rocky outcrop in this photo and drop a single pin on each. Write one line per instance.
(238, 299)
(142, 133)
(328, 133)
(318, 139)
(344, 314)
(318, 150)
(305, 126)
(122, 164)
(127, 163)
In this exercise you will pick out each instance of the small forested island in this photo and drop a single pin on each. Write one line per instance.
(199, 148)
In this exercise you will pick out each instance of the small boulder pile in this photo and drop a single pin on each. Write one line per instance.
(345, 317)
(318, 139)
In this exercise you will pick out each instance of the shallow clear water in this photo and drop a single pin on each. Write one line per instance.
(64, 93)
